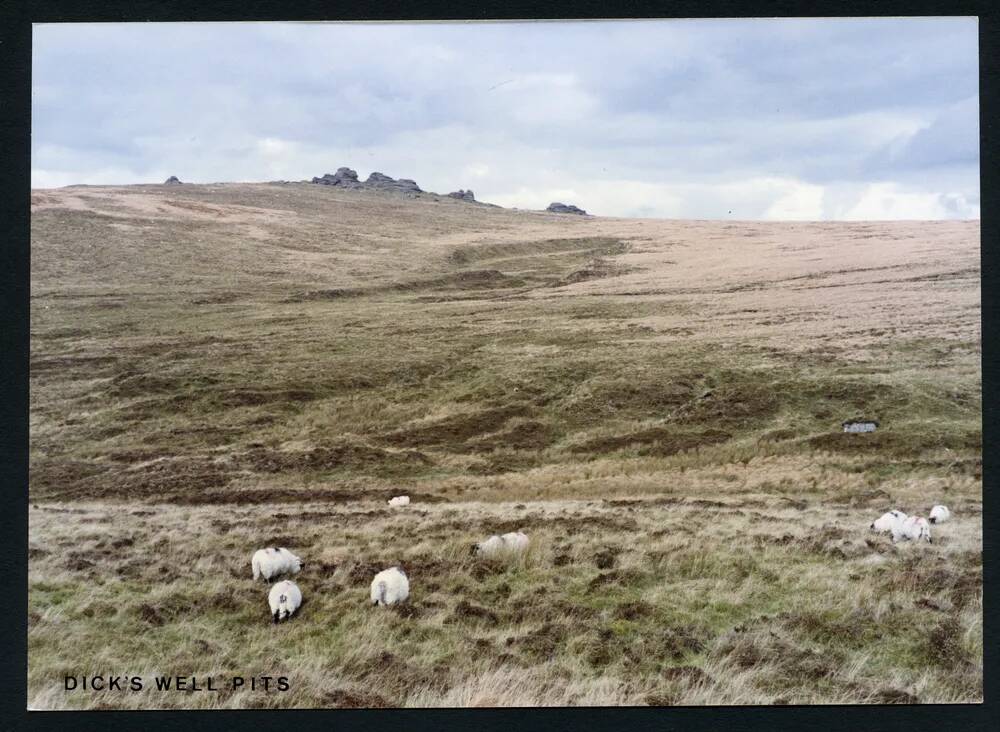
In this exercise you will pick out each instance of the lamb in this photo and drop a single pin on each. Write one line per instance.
(884, 523)
(271, 562)
(284, 599)
(512, 542)
(915, 528)
(389, 587)
(939, 514)
(399, 501)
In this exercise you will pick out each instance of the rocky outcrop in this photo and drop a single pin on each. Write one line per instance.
(172, 181)
(347, 178)
(343, 178)
(381, 181)
(563, 208)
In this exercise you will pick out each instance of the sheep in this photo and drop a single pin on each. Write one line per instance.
(939, 514)
(389, 587)
(884, 523)
(284, 599)
(912, 527)
(514, 541)
(488, 547)
(399, 501)
(271, 562)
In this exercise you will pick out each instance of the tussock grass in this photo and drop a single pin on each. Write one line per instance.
(745, 602)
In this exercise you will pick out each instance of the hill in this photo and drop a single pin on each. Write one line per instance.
(216, 368)
(219, 336)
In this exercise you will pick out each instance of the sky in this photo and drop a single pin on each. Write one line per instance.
(744, 119)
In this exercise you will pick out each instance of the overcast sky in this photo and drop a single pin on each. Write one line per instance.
(741, 119)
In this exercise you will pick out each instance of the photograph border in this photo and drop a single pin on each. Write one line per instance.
(15, 127)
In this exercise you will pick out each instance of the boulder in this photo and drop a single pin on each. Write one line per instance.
(381, 181)
(405, 184)
(347, 178)
(463, 195)
(172, 181)
(562, 208)
(344, 178)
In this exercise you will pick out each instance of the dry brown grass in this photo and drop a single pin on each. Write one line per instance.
(656, 403)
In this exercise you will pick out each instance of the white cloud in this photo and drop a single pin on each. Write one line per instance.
(889, 201)
(744, 199)
(476, 170)
(274, 146)
(802, 202)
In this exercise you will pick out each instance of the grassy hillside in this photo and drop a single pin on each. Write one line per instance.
(209, 343)
(658, 403)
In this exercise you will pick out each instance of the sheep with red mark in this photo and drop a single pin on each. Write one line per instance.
(273, 561)
(912, 528)
(884, 523)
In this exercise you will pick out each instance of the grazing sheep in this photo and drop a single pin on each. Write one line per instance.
(399, 501)
(913, 528)
(271, 562)
(515, 541)
(884, 523)
(389, 587)
(487, 547)
(284, 599)
(939, 514)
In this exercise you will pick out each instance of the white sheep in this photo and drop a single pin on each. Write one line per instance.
(884, 523)
(389, 587)
(939, 514)
(512, 542)
(271, 562)
(284, 599)
(487, 547)
(913, 528)
(399, 501)
(515, 541)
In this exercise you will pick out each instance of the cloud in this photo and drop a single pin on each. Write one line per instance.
(802, 202)
(796, 118)
(889, 201)
(950, 139)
